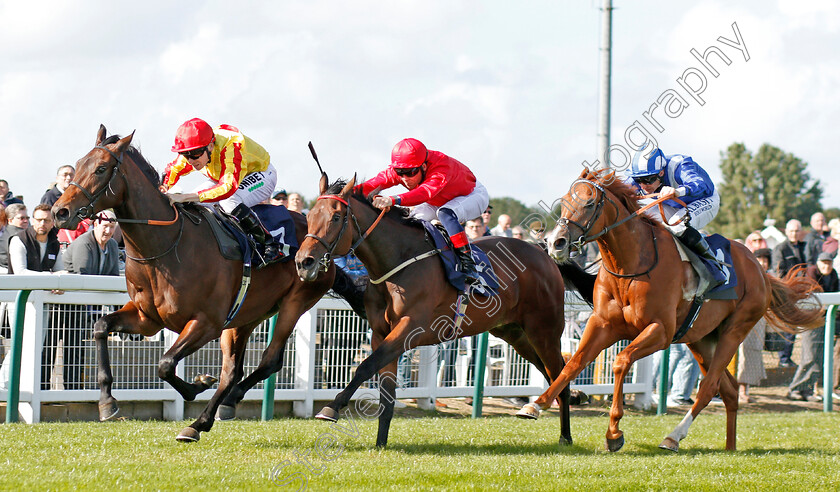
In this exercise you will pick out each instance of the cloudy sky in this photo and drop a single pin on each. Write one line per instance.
(509, 88)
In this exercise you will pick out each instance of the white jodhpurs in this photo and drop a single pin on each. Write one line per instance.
(466, 207)
(700, 211)
(253, 189)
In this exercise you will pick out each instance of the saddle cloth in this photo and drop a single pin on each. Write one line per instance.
(488, 284)
(234, 244)
(706, 270)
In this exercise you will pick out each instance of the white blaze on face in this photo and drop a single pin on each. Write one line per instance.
(555, 234)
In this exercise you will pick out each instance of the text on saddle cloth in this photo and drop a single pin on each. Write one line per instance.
(488, 284)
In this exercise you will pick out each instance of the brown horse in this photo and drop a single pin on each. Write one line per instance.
(413, 306)
(644, 291)
(178, 279)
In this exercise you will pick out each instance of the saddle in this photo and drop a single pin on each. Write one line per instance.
(234, 244)
(488, 282)
(703, 268)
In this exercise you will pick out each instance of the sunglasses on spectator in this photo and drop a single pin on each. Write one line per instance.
(408, 172)
(194, 154)
(488, 212)
(646, 179)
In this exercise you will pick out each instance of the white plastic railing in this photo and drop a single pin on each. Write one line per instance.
(315, 367)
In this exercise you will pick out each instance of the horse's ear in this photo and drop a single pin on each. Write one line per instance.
(374, 192)
(348, 188)
(101, 134)
(324, 183)
(124, 142)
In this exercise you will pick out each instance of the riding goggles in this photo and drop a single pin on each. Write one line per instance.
(194, 154)
(650, 179)
(408, 172)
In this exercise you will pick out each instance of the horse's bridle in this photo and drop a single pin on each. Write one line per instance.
(348, 214)
(86, 212)
(583, 238)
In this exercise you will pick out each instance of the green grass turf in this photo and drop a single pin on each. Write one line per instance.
(798, 451)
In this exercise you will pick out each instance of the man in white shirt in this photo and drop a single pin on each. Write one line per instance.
(36, 249)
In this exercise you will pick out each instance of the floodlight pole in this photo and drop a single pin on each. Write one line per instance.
(604, 87)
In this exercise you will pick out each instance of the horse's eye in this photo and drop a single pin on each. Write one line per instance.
(336, 217)
(589, 204)
(101, 170)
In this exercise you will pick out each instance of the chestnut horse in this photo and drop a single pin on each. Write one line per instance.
(644, 291)
(414, 305)
(178, 279)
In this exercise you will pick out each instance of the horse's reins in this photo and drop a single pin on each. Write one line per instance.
(86, 211)
(583, 239)
(325, 260)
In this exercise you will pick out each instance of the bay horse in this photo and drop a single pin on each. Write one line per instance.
(644, 291)
(177, 278)
(413, 306)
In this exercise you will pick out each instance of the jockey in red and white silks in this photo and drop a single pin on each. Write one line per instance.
(439, 187)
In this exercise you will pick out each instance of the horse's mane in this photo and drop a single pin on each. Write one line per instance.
(400, 214)
(135, 155)
(626, 194)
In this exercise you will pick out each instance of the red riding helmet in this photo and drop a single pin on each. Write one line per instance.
(192, 134)
(409, 153)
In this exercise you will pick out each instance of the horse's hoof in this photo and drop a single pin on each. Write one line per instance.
(529, 411)
(328, 414)
(226, 412)
(614, 445)
(188, 435)
(108, 410)
(670, 444)
(565, 442)
(205, 380)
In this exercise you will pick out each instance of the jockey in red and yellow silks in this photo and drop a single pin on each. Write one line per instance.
(439, 187)
(238, 170)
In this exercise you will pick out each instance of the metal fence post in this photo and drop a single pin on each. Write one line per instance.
(480, 363)
(662, 405)
(268, 389)
(17, 347)
(828, 361)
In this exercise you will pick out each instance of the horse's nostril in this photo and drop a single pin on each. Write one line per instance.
(560, 243)
(308, 262)
(62, 214)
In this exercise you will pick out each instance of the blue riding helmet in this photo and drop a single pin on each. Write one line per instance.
(647, 167)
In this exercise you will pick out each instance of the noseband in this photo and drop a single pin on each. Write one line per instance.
(327, 257)
(86, 212)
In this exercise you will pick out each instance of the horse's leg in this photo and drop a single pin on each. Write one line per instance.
(647, 342)
(127, 319)
(596, 337)
(387, 397)
(232, 343)
(713, 355)
(272, 357)
(394, 345)
(196, 334)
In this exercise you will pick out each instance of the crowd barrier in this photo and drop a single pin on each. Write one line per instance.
(58, 363)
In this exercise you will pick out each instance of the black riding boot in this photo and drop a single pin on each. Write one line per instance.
(467, 264)
(252, 225)
(697, 243)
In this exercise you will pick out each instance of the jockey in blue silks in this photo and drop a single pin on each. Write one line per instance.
(655, 172)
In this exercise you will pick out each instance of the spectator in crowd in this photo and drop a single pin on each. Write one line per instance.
(518, 232)
(819, 229)
(474, 229)
(831, 242)
(3, 219)
(486, 216)
(280, 198)
(6, 196)
(810, 359)
(36, 249)
(755, 241)
(750, 358)
(792, 251)
(536, 231)
(683, 373)
(296, 204)
(17, 220)
(95, 252)
(502, 227)
(63, 177)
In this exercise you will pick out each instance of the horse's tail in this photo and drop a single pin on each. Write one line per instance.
(579, 279)
(343, 285)
(784, 313)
